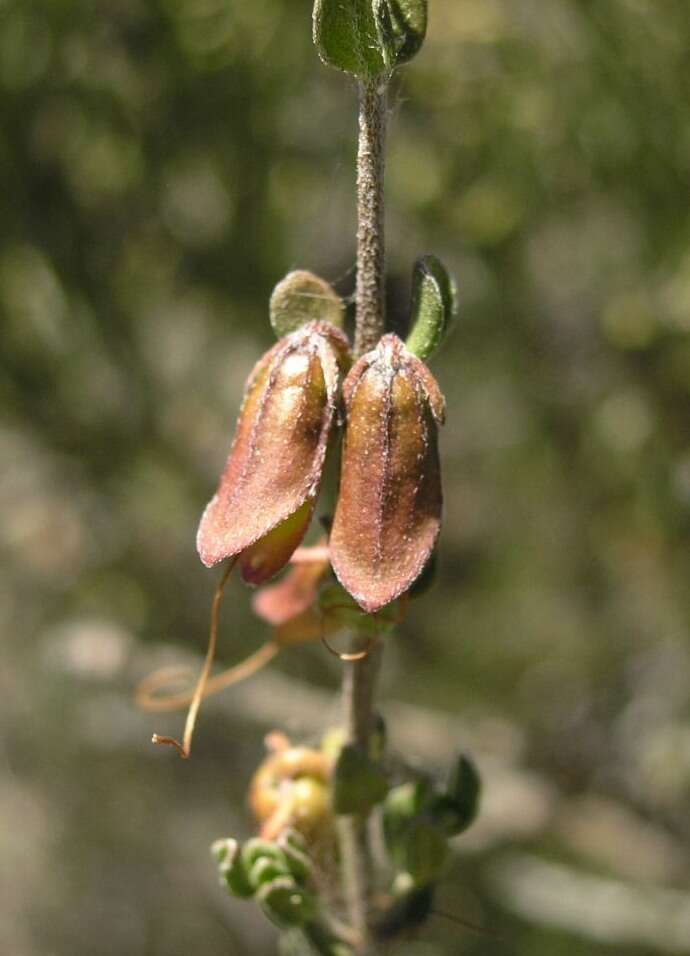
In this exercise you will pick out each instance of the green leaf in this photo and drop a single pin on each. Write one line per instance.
(348, 37)
(462, 795)
(434, 306)
(403, 804)
(369, 37)
(358, 783)
(303, 297)
(421, 851)
(456, 808)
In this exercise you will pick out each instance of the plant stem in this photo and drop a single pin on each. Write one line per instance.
(359, 682)
(359, 677)
(370, 292)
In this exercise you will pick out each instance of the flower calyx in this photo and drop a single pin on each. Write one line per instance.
(388, 514)
(266, 495)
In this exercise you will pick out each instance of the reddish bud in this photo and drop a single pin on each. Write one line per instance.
(271, 479)
(296, 592)
(388, 514)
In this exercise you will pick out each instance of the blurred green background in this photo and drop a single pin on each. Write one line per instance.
(164, 163)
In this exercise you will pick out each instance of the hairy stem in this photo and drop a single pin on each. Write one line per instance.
(359, 677)
(359, 682)
(370, 292)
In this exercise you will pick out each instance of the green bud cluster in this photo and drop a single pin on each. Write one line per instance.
(419, 818)
(279, 876)
(276, 874)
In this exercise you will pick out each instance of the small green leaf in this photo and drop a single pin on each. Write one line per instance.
(456, 809)
(231, 869)
(358, 783)
(403, 804)
(434, 306)
(285, 903)
(422, 851)
(347, 37)
(303, 297)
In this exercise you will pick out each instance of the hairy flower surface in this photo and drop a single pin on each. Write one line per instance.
(267, 491)
(388, 514)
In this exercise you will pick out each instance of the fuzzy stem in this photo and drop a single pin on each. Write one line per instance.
(359, 682)
(370, 292)
(359, 677)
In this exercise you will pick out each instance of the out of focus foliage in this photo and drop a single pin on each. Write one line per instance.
(164, 163)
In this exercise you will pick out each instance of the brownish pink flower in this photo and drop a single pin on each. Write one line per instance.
(388, 514)
(271, 480)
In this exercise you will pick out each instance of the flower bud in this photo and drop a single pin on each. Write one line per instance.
(285, 903)
(296, 854)
(266, 869)
(231, 868)
(267, 492)
(290, 790)
(388, 515)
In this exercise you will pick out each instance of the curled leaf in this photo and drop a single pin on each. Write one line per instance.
(296, 853)
(273, 473)
(231, 868)
(434, 305)
(388, 514)
(286, 904)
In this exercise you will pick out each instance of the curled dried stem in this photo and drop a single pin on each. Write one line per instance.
(184, 748)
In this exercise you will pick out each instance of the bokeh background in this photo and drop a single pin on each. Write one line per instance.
(164, 163)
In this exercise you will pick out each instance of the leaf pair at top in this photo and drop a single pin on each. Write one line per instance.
(369, 38)
(388, 513)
